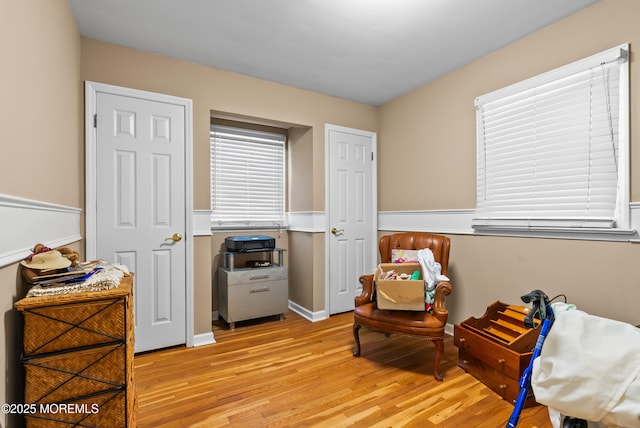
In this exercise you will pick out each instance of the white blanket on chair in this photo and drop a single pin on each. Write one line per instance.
(431, 269)
(589, 368)
(432, 272)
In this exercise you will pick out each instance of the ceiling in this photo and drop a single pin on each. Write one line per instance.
(369, 51)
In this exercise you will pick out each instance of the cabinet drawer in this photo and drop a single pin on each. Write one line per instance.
(257, 299)
(59, 327)
(62, 377)
(106, 409)
(247, 276)
(494, 355)
(498, 382)
(252, 293)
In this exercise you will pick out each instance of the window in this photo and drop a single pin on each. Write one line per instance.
(552, 151)
(247, 178)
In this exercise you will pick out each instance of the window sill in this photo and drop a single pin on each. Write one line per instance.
(246, 228)
(595, 234)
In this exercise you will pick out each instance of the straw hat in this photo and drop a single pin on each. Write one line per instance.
(47, 260)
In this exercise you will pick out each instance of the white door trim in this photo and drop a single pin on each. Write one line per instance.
(374, 204)
(91, 91)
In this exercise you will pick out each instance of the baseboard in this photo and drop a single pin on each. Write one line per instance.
(307, 314)
(203, 339)
(293, 307)
(448, 329)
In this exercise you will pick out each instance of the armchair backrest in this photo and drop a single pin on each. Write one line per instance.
(438, 244)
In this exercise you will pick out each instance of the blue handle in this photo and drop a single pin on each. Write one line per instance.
(525, 380)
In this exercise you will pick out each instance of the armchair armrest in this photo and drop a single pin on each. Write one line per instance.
(367, 290)
(443, 289)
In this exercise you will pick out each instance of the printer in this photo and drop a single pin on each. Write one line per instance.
(239, 244)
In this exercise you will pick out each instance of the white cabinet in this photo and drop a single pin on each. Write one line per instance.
(247, 293)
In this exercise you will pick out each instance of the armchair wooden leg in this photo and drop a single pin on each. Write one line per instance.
(439, 344)
(356, 336)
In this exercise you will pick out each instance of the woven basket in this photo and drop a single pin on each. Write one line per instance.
(79, 348)
(55, 323)
(105, 410)
(74, 374)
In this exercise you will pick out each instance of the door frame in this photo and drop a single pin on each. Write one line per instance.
(91, 91)
(374, 205)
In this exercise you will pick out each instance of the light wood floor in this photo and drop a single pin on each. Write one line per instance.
(295, 373)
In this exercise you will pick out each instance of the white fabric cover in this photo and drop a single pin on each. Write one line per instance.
(432, 272)
(431, 269)
(589, 368)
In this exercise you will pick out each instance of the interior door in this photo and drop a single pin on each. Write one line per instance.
(140, 209)
(351, 213)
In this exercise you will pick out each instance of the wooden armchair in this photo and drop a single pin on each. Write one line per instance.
(414, 323)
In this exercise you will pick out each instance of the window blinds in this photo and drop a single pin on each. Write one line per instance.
(247, 178)
(549, 148)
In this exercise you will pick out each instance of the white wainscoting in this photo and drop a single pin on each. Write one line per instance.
(26, 222)
(435, 221)
(306, 221)
(459, 222)
(201, 222)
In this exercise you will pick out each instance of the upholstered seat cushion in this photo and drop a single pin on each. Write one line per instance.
(415, 323)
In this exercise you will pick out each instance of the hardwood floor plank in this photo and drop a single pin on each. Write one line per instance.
(294, 373)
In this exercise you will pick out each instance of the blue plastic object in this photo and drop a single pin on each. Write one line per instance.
(541, 307)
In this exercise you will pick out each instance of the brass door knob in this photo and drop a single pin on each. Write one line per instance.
(175, 238)
(336, 231)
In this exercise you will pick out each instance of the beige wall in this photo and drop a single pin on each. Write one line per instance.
(41, 103)
(602, 278)
(431, 133)
(301, 278)
(233, 96)
(228, 94)
(300, 161)
(41, 139)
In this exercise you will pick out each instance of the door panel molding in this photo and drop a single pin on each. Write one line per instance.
(91, 94)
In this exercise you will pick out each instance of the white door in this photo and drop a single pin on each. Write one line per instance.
(140, 209)
(352, 211)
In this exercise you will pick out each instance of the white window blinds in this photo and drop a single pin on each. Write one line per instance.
(552, 150)
(247, 178)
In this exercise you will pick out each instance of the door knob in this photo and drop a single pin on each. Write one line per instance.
(336, 231)
(175, 238)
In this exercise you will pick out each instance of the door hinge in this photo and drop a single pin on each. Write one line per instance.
(95, 120)
(372, 156)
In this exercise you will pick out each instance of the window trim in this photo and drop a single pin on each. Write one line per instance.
(623, 208)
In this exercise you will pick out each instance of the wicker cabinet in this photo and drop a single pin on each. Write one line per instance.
(78, 358)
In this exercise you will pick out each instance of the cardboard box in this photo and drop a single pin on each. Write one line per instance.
(400, 294)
